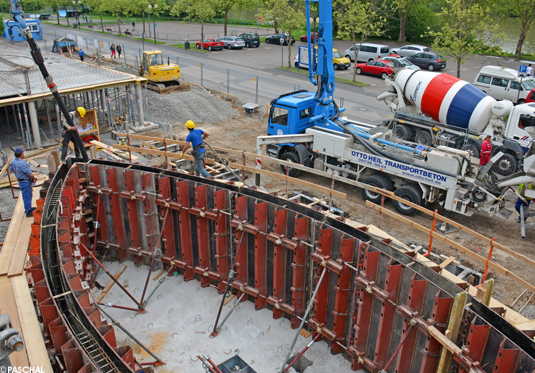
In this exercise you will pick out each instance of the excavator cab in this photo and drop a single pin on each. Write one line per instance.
(163, 77)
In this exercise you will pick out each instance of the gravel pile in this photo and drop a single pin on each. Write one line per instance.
(196, 104)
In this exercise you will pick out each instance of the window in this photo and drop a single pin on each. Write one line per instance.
(380, 64)
(35, 28)
(500, 82)
(526, 120)
(279, 116)
(156, 60)
(515, 85)
(484, 79)
(406, 48)
(305, 113)
(426, 49)
(366, 48)
(372, 63)
(385, 50)
(418, 55)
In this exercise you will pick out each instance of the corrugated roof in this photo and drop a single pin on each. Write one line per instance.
(68, 73)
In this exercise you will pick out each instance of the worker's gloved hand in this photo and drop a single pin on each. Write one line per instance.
(182, 155)
(73, 128)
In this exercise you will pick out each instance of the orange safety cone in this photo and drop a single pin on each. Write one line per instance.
(60, 50)
(72, 48)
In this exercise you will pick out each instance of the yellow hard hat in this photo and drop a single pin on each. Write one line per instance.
(190, 124)
(81, 110)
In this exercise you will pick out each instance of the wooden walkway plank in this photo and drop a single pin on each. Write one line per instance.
(31, 331)
(11, 237)
(9, 307)
(110, 284)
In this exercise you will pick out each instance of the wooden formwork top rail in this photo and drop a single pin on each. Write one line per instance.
(358, 184)
(469, 253)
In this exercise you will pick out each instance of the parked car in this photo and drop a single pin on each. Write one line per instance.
(276, 39)
(313, 37)
(409, 50)
(381, 68)
(531, 96)
(367, 52)
(340, 62)
(401, 62)
(212, 44)
(429, 61)
(233, 42)
(503, 83)
(251, 39)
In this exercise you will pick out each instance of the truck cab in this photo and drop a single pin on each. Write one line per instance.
(521, 117)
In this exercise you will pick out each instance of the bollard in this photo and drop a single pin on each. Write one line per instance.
(202, 81)
(256, 96)
(228, 81)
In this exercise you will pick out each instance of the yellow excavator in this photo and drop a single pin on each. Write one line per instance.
(163, 78)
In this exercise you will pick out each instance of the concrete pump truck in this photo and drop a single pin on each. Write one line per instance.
(307, 128)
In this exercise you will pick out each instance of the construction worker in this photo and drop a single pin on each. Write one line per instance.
(81, 53)
(25, 177)
(196, 137)
(519, 202)
(486, 150)
(68, 133)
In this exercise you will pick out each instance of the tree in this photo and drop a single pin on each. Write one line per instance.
(357, 17)
(225, 6)
(117, 7)
(404, 8)
(202, 9)
(526, 15)
(466, 29)
(142, 6)
(98, 6)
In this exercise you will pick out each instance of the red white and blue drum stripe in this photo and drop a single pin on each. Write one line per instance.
(447, 99)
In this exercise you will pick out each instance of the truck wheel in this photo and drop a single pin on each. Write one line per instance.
(411, 193)
(423, 138)
(377, 180)
(290, 157)
(479, 195)
(521, 101)
(473, 150)
(506, 165)
(401, 132)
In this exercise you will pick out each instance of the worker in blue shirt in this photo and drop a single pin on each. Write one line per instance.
(81, 53)
(25, 177)
(196, 137)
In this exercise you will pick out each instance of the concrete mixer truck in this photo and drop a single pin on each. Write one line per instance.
(308, 128)
(440, 110)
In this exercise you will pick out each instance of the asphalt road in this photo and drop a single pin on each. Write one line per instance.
(239, 71)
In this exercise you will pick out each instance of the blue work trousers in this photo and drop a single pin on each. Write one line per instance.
(26, 190)
(519, 203)
(199, 166)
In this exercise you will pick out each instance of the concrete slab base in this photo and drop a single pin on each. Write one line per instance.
(147, 127)
(180, 316)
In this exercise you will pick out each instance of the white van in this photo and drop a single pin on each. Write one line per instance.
(503, 83)
(368, 52)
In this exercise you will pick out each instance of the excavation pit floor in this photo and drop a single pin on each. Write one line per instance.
(180, 316)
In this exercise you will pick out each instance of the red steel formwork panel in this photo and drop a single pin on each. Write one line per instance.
(185, 228)
(168, 235)
(299, 270)
(203, 238)
(415, 303)
(115, 206)
(221, 238)
(476, 341)
(242, 273)
(133, 216)
(279, 260)
(365, 299)
(152, 227)
(325, 244)
(102, 231)
(260, 219)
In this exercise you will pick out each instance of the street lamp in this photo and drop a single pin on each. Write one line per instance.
(153, 7)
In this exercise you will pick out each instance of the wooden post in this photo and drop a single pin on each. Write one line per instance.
(51, 164)
(484, 292)
(93, 152)
(57, 157)
(110, 284)
(454, 324)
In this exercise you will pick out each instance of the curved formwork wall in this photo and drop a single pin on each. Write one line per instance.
(375, 303)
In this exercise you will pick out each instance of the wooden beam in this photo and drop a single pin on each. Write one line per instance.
(11, 237)
(158, 275)
(152, 138)
(290, 180)
(113, 150)
(4, 169)
(446, 262)
(469, 253)
(452, 332)
(444, 341)
(160, 153)
(31, 330)
(484, 292)
(110, 284)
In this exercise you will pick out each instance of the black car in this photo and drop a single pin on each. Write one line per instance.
(429, 61)
(251, 40)
(276, 39)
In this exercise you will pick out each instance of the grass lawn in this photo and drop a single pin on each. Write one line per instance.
(192, 48)
(150, 41)
(341, 80)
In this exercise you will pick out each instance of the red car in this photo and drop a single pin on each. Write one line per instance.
(531, 96)
(313, 37)
(381, 68)
(212, 44)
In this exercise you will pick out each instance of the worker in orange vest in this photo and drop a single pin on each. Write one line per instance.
(486, 150)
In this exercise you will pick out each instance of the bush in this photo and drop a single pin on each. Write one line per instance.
(420, 18)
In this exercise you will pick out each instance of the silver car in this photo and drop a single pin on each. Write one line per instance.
(401, 62)
(231, 42)
(409, 50)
